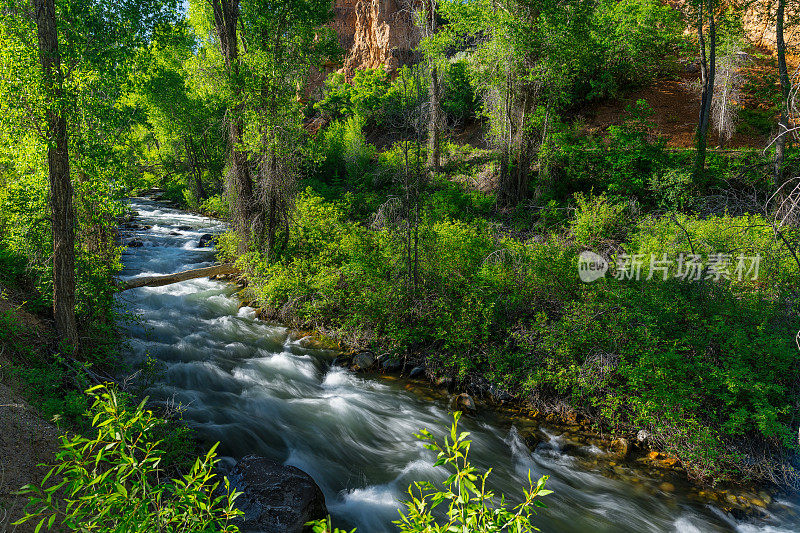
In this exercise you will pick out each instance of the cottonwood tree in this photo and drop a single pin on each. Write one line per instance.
(783, 74)
(283, 40)
(525, 54)
(434, 45)
(239, 180)
(267, 48)
(182, 124)
(62, 68)
(61, 206)
(705, 10)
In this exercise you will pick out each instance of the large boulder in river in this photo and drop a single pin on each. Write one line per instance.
(276, 498)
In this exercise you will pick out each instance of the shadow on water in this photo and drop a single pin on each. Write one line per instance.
(259, 390)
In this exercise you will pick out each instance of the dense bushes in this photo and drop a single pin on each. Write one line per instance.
(370, 95)
(683, 358)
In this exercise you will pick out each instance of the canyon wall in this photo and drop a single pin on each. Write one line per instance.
(376, 32)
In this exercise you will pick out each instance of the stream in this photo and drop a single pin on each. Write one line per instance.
(262, 389)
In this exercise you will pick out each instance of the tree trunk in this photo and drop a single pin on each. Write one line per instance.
(434, 132)
(197, 172)
(707, 75)
(60, 184)
(168, 279)
(239, 179)
(783, 72)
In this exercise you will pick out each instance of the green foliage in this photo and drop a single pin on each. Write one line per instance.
(633, 155)
(470, 505)
(215, 206)
(599, 222)
(326, 526)
(49, 386)
(673, 188)
(346, 154)
(111, 482)
(458, 94)
(634, 36)
(649, 354)
(370, 95)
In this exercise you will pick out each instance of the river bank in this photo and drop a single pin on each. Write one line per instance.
(628, 456)
(261, 389)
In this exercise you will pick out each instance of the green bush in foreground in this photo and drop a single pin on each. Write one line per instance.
(112, 482)
(470, 505)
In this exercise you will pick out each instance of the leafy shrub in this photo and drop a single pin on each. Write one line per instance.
(458, 95)
(111, 482)
(599, 221)
(49, 387)
(673, 188)
(632, 154)
(215, 206)
(635, 36)
(346, 154)
(470, 505)
(369, 95)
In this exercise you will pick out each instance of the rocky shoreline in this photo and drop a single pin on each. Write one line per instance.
(629, 458)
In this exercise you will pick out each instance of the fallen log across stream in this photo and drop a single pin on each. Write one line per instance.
(168, 279)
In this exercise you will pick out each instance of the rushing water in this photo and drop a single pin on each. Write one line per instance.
(259, 389)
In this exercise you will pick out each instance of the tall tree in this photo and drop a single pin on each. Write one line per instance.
(239, 179)
(783, 73)
(61, 206)
(708, 65)
(434, 48)
(285, 39)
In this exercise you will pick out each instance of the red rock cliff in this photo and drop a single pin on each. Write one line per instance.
(375, 33)
(759, 23)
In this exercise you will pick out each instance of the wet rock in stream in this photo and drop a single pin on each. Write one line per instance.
(276, 498)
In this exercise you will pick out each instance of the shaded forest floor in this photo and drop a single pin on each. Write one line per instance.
(675, 104)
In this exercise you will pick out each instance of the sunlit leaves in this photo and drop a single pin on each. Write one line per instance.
(112, 481)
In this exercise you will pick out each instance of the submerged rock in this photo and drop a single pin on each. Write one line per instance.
(443, 381)
(135, 243)
(499, 395)
(343, 359)
(276, 498)
(534, 438)
(390, 363)
(619, 448)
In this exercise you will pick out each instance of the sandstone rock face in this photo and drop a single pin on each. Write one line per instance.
(276, 498)
(376, 32)
(759, 23)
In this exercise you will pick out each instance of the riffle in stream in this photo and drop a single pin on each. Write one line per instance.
(260, 389)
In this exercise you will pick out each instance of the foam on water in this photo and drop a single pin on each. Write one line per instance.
(259, 390)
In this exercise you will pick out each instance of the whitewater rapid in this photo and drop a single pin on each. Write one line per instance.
(261, 389)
